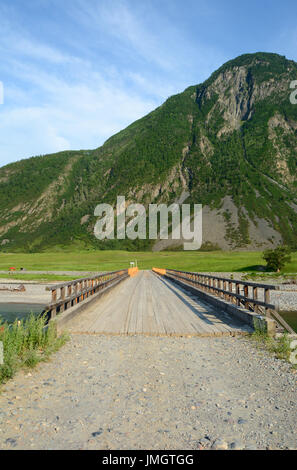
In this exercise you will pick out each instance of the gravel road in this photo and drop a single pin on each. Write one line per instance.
(34, 293)
(119, 392)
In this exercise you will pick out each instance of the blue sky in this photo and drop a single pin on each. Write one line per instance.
(77, 71)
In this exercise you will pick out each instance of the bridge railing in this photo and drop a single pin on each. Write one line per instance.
(251, 295)
(68, 294)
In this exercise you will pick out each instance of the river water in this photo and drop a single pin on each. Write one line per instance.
(291, 318)
(10, 311)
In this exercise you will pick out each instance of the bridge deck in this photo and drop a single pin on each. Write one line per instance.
(147, 304)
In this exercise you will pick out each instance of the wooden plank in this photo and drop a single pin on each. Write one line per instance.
(147, 304)
(191, 322)
(197, 315)
(158, 323)
(204, 319)
(129, 303)
(149, 324)
(177, 312)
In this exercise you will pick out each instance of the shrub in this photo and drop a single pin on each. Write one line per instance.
(27, 342)
(276, 259)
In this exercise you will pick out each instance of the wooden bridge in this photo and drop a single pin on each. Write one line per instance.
(163, 302)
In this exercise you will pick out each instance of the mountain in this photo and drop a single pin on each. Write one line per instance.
(230, 142)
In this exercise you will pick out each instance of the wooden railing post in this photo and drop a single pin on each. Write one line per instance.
(230, 290)
(62, 290)
(246, 294)
(62, 297)
(53, 313)
(69, 290)
(255, 297)
(54, 295)
(237, 284)
(225, 295)
(266, 300)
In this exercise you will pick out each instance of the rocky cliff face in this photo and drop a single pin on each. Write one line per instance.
(229, 142)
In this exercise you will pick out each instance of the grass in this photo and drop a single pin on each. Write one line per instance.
(26, 343)
(279, 347)
(212, 261)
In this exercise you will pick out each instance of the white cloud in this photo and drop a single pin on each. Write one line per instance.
(47, 111)
(147, 34)
(75, 117)
(122, 63)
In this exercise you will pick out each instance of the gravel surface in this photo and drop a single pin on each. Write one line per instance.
(284, 300)
(34, 293)
(119, 392)
(59, 273)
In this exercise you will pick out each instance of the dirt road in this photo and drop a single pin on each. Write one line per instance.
(137, 392)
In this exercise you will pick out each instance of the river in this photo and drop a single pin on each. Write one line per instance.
(291, 318)
(10, 311)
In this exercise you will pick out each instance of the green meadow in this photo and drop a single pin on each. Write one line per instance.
(212, 261)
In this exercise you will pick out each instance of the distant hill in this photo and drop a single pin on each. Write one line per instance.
(230, 142)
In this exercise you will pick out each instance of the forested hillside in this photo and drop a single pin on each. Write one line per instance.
(230, 142)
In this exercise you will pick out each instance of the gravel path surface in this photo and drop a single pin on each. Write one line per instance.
(34, 293)
(59, 273)
(119, 392)
(284, 300)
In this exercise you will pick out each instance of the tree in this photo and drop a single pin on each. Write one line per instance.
(277, 258)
